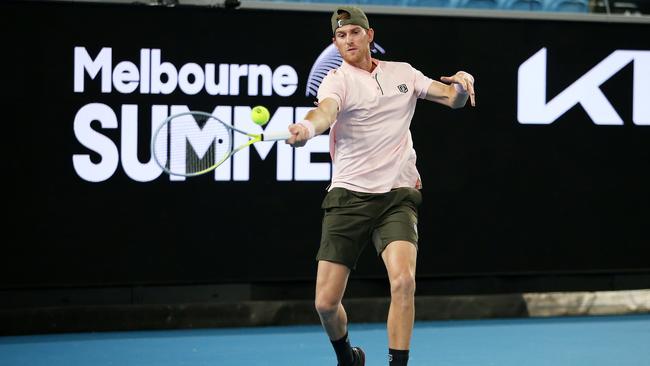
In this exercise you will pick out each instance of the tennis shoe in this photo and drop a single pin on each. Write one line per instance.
(359, 357)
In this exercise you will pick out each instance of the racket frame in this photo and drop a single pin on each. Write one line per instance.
(272, 136)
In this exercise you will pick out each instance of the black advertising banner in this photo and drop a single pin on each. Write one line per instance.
(550, 173)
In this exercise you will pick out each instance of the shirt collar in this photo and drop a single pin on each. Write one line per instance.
(377, 69)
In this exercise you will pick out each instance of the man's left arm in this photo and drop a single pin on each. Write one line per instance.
(455, 92)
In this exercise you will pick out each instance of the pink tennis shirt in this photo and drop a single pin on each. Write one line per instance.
(370, 142)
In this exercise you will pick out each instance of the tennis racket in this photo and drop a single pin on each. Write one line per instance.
(194, 143)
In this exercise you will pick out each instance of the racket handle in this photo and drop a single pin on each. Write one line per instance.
(276, 136)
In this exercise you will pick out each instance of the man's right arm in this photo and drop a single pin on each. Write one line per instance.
(317, 121)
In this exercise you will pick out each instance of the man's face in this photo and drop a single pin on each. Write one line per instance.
(353, 42)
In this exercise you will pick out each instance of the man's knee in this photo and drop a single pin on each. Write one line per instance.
(326, 305)
(403, 284)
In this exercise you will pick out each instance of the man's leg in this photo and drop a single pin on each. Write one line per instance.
(331, 281)
(400, 258)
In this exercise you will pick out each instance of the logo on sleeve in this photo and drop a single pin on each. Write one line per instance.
(402, 88)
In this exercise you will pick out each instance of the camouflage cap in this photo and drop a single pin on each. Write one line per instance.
(357, 17)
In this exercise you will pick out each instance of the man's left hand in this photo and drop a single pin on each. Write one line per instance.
(463, 81)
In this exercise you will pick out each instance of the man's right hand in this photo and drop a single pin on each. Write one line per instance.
(299, 135)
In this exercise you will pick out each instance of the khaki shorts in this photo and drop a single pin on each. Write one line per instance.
(353, 219)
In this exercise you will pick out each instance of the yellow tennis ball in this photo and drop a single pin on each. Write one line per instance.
(260, 115)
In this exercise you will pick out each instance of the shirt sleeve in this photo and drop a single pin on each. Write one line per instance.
(333, 86)
(421, 83)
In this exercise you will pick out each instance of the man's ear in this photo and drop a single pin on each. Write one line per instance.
(371, 34)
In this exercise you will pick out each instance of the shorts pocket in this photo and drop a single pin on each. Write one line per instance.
(337, 197)
(410, 196)
(415, 196)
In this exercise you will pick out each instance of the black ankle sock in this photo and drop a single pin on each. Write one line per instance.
(398, 357)
(343, 350)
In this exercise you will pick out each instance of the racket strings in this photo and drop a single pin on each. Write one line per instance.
(194, 144)
(195, 163)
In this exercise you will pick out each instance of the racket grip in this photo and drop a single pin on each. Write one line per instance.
(276, 136)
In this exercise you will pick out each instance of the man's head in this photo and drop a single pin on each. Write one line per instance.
(344, 15)
(352, 33)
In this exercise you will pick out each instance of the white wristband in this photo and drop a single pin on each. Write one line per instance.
(309, 125)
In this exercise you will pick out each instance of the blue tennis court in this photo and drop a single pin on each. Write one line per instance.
(570, 341)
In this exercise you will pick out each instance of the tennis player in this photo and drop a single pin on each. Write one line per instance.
(374, 195)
